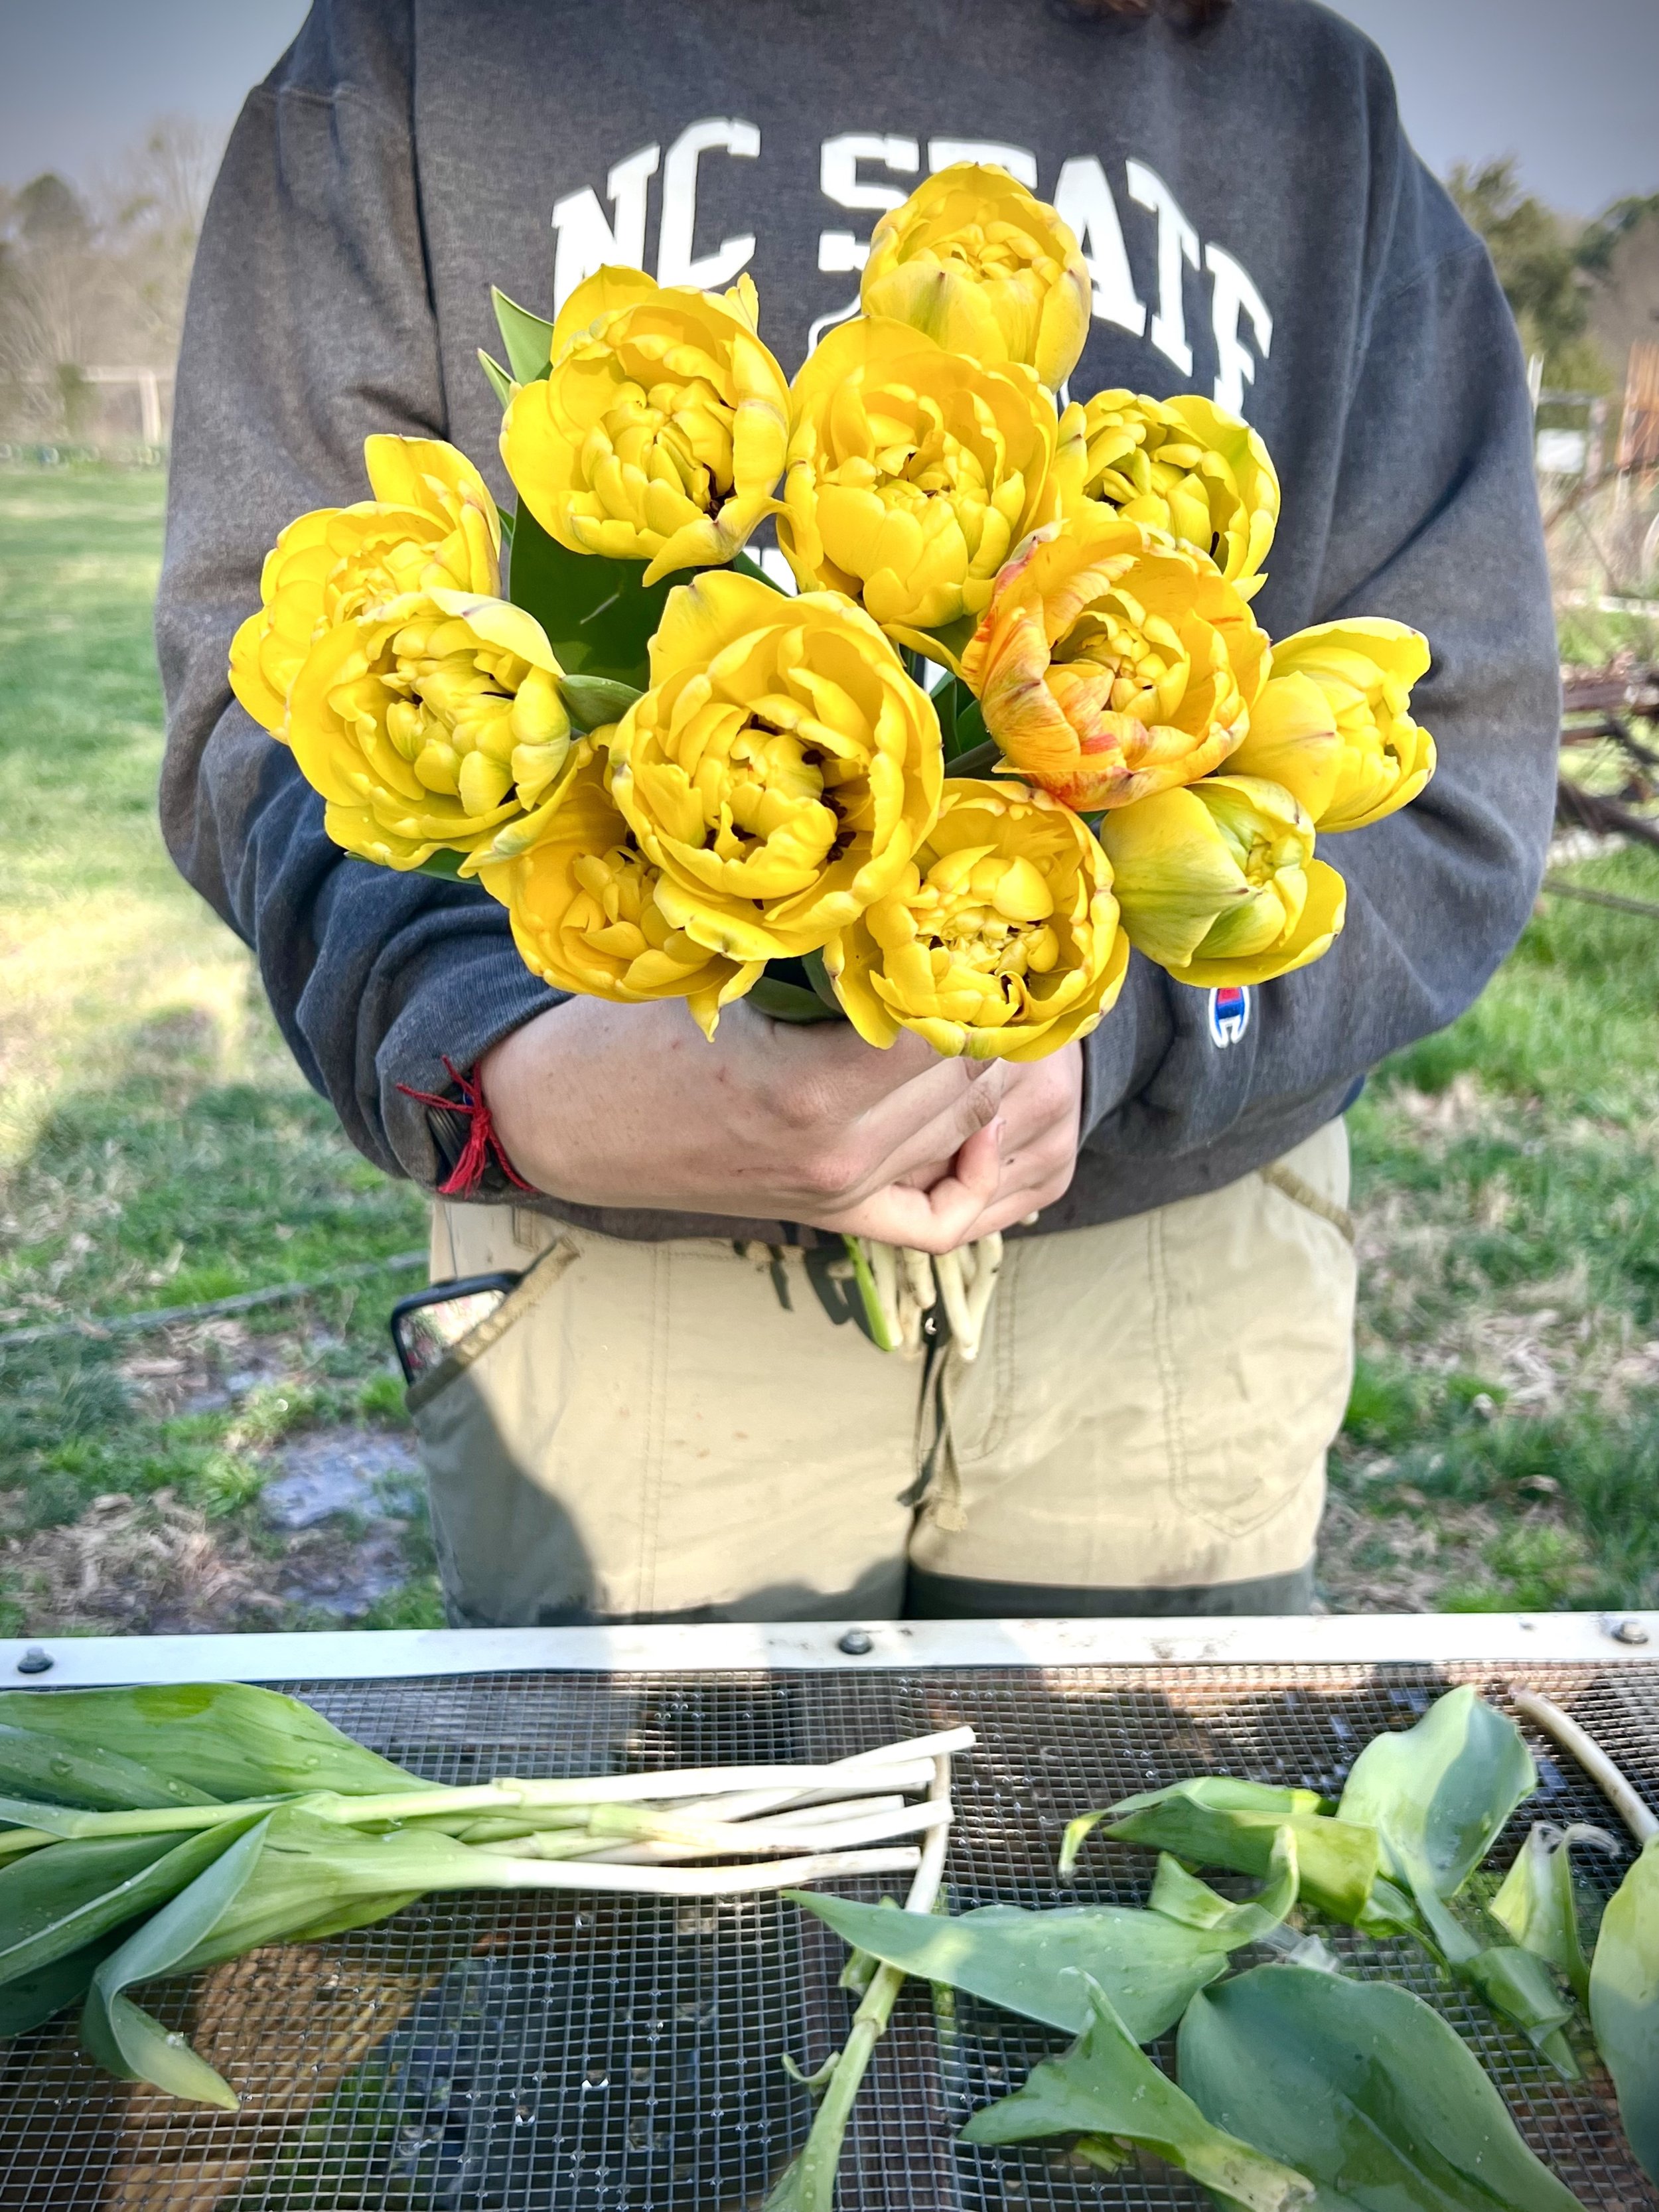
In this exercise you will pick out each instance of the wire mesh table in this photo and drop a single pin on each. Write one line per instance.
(564, 2053)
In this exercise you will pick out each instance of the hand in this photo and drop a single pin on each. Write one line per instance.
(1042, 1119)
(630, 1106)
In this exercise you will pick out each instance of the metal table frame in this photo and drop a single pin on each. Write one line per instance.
(1339, 1639)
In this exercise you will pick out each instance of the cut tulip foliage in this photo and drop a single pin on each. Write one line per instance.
(1624, 2003)
(1106, 2086)
(1362, 2087)
(1148, 1963)
(1217, 1821)
(231, 1818)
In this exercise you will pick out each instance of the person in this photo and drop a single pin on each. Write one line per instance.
(662, 1419)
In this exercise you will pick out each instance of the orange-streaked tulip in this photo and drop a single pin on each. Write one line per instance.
(1111, 664)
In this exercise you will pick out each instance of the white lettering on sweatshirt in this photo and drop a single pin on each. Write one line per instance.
(587, 238)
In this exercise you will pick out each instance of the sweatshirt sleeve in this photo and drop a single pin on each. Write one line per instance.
(1432, 518)
(310, 326)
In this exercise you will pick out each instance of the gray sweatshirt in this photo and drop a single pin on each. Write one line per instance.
(1258, 229)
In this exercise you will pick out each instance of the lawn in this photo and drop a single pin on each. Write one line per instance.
(157, 1148)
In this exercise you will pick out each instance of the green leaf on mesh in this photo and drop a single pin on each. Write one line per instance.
(1214, 1821)
(1624, 2003)
(1363, 2088)
(1537, 1903)
(1106, 2086)
(1036, 1963)
(220, 1740)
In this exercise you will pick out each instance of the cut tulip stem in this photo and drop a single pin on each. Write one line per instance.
(1614, 1784)
(809, 2184)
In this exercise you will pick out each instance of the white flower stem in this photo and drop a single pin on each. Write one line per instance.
(1614, 1784)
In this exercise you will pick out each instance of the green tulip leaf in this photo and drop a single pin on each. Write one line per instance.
(129, 2043)
(500, 382)
(34, 1763)
(33, 1999)
(60, 1899)
(1624, 2003)
(527, 339)
(1213, 1820)
(1036, 1964)
(1537, 1903)
(1182, 1896)
(1520, 1988)
(1364, 2089)
(443, 864)
(594, 701)
(781, 1000)
(1106, 2086)
(1439, 1793)
(598, 616)
(220, 1739)
(961, 721)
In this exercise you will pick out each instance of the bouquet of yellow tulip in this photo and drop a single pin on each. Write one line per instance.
(709, 788)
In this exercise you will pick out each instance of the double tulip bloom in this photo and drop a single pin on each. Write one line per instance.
(998, 940)
(431, 524)
(586, 915)
(1183, 468)
(776, 789)
(914, 472)
(984, 268)
(1112, 664)
(780, 770)
(428, 724)
(1218, 882)
(660, 430)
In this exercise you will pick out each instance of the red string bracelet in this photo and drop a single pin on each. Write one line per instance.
(482, 1145)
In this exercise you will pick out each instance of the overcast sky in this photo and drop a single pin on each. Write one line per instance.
(1569, 89)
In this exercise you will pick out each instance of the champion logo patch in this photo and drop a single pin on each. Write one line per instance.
(1230, 1013)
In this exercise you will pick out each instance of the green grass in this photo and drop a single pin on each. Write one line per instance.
(157, 1146)
(1507, 1401)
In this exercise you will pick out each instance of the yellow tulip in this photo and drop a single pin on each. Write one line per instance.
(1180, 466)
(428, 723)
(1218, 883)
(431, 523)
(781, 768)
(987, 269)
(1334, 725)
(583, 904)
(999, 940)
(1111, 664)
(913, 475)
(660, 430)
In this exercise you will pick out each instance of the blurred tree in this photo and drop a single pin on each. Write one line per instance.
(100, 281)
(1539, 268)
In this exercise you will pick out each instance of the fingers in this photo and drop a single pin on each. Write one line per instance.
(930, 1119)
(939, 1220)
(1030, 1180)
